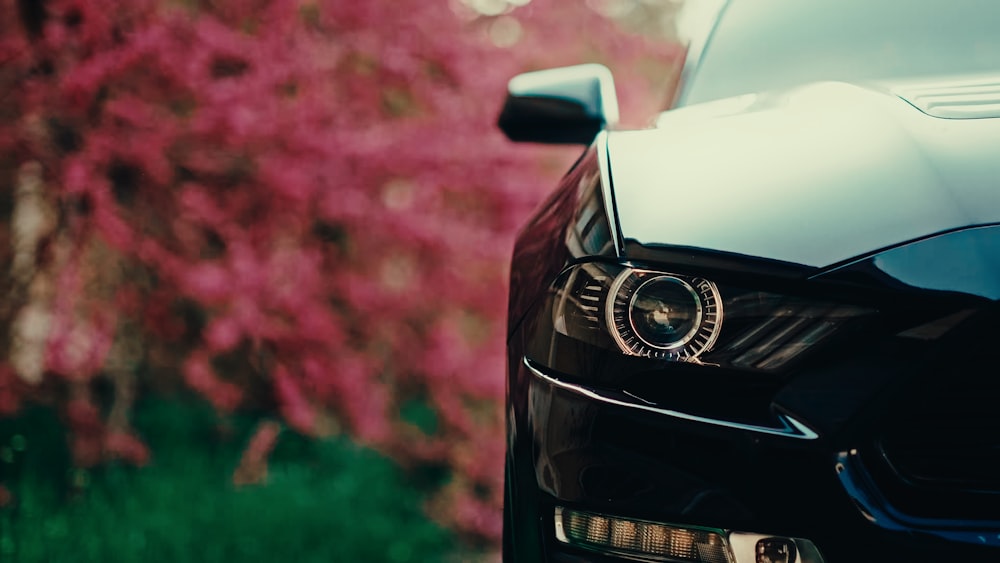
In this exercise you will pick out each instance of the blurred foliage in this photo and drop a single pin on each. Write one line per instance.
(325, 500)
(299, 207)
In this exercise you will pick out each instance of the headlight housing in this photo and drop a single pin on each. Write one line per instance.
(669, 316)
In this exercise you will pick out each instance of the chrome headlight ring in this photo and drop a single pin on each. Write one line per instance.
(664, 316)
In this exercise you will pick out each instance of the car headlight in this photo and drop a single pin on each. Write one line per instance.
(669, 316)
(665, 316)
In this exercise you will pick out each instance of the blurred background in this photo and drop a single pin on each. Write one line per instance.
(254, 266)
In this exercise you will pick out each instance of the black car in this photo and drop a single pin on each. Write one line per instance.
(767, 329)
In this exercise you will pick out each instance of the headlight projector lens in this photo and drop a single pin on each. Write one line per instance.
(665, 312)
(664, 316)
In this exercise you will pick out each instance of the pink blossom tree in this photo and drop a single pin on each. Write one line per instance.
(299, 206)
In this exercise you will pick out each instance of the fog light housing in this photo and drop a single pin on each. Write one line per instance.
(640, 538)
(758, 548)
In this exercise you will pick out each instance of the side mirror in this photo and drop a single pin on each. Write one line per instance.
(560, 105)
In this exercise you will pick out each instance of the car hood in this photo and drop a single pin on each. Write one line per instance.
(814, 176)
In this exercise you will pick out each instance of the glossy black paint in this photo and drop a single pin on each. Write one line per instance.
(881, 443)
(571, 224)
(966, 261)
(572, 451)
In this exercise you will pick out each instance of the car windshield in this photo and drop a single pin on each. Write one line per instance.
(768, 44)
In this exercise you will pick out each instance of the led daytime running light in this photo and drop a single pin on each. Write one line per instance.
(649, 540)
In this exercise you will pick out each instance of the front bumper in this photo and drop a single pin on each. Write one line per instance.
(571, 451)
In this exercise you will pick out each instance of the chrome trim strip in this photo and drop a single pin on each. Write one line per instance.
(560, 528)
(790, 428)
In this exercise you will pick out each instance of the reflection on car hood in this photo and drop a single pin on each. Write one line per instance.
(814, 176)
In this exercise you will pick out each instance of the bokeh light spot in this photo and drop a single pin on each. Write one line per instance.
(489, 7)
(505, 31)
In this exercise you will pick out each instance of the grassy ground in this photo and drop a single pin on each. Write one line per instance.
(323, 501)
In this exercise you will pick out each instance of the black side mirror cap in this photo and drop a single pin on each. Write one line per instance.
(569, 105)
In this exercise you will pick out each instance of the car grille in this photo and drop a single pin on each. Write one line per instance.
(949, 439)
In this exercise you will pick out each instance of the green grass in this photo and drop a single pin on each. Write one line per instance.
(323, 501)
